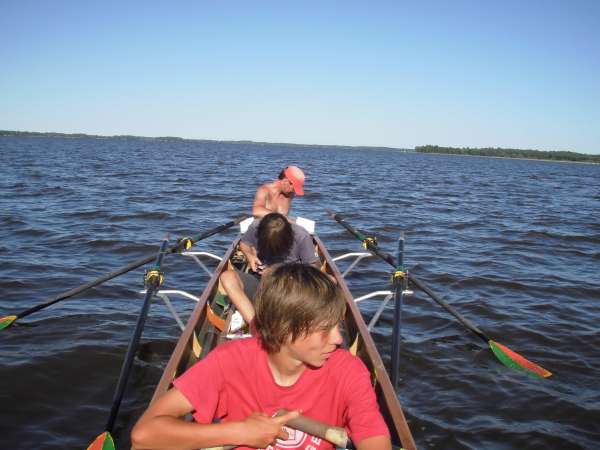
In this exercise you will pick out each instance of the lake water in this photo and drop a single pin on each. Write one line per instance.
(512, 245)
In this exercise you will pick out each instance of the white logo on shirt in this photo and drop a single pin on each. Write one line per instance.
(294, 441)
(297, 440)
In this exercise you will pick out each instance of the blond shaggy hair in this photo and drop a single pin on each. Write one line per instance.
(294, 300)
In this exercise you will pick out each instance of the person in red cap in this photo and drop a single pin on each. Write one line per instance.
(277, 195)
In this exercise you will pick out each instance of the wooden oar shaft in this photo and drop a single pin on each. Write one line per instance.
(133, 343)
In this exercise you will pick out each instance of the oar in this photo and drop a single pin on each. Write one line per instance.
(182, 244)
(400, 283)
(335, 435)
(153, 279)
(507, 356)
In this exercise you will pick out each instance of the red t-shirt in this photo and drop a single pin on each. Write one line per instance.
(234, 381)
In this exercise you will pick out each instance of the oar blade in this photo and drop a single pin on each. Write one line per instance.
(515, 361)
(103, 442)
(6, 321)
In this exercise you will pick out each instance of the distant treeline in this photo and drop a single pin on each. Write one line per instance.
(52, 134)
(173, 138)
(511, 153)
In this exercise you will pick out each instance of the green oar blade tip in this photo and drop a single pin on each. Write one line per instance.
(515, 361)
(6, 321)
(104, 441)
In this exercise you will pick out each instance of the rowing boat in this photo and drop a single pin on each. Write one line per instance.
(209, 325)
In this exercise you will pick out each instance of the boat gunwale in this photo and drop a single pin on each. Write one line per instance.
(170, 370)
(392, 404)
(383, 379)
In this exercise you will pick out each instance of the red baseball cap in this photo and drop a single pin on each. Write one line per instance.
(296, 176)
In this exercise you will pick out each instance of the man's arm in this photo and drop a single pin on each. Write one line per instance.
(160, 427)
(251, 255)
(259, 207)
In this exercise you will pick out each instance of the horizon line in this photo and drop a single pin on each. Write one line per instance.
(248, 141)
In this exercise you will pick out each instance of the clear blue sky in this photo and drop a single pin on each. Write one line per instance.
(522, 74)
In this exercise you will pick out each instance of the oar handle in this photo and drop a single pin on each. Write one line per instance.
(335, 435)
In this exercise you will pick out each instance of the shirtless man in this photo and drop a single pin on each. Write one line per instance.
(277, 195)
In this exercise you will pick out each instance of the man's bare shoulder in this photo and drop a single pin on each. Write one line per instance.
(270, 186)
(265, 189)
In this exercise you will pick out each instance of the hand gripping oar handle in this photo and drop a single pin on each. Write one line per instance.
(184, 244)
(335, 435)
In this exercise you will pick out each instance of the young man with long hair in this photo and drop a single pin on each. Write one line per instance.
(272, 240)
(293, 362)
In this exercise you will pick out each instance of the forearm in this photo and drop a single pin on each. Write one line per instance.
(375, 443)
(248, 250)
(166, 432)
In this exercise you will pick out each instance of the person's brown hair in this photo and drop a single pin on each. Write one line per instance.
(275, 238)
(294, 300)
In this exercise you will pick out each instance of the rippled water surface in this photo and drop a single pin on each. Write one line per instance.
(513, 245)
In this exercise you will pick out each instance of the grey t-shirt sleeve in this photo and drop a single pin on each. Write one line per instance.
(306, 248)
(250, 237)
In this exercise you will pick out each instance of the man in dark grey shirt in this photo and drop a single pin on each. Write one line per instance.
(272, 240)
